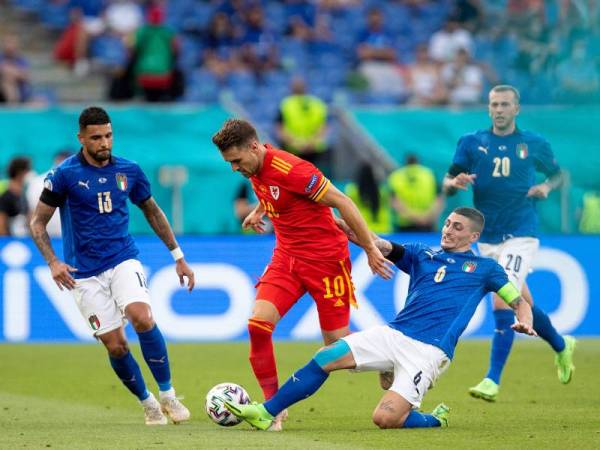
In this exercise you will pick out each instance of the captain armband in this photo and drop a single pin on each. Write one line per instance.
(509, 293)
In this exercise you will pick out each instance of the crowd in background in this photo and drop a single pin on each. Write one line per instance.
(421, 52)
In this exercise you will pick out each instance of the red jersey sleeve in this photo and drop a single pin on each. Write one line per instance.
(303, 178)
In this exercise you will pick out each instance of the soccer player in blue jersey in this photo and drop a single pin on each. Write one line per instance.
(101, 268)
(501, 164)
(445, 288)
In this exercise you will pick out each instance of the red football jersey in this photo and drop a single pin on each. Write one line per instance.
(289, 189)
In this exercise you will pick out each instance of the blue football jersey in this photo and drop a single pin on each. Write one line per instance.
(94, 212)
(506, 168)
(444, 291)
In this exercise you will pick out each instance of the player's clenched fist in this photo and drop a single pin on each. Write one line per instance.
(61, 274)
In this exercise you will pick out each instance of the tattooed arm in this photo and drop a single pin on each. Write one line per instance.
(159, 223)
(61, 272)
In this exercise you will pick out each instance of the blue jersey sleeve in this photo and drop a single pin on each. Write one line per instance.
(55, 188)
(462, 155)
(140, 192)
(496, 278)
(544, 159)
(409, 257)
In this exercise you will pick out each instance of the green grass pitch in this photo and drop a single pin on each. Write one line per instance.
(66, 396)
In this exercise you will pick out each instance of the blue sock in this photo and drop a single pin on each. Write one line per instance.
(545, 330)
(128, 371)
(419, 420)
(299, 386)
(154, 350)
(501, 343)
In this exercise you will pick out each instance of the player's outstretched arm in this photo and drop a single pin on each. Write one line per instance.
(351, 215)
(61, 272)
(159, 223)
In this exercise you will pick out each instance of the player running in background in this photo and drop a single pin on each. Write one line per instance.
(101, 266)
(445, 288)
(311, 254)
(501, 164)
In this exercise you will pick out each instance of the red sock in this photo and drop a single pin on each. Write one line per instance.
(262, 357)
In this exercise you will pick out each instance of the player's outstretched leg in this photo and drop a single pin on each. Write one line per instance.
(502, 342)
(300, 385)
(563, 346)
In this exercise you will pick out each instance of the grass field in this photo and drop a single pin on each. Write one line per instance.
(66, 396)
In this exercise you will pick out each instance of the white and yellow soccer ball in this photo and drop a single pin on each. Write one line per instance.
(215, 403)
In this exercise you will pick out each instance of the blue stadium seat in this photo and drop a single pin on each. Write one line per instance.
(55, 16)
(109, 51)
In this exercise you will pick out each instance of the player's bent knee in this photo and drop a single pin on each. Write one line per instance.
(386, 420)
(117, 349)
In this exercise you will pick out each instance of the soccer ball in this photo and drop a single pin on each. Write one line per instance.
(215, 403)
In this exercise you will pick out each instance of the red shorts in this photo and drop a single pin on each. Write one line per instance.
(329, 283)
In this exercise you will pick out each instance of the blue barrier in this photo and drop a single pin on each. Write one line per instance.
(33, 309)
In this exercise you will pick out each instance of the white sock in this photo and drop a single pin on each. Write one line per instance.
(150, 401)
(167, 394)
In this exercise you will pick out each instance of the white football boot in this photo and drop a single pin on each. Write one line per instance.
(172, 407)
(152, 411)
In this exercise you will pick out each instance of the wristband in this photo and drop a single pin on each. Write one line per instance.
(177, 254)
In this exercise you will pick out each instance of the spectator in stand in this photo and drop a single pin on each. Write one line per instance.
(521, 12)
(13, 205)
(378, 61)
(538, 46)
(445, 43)
(89, 23)
(425, 80)
(302, 126)
(124, 17)
(463, 79)
(220, 54)
(469, 13)
(155, 52)
(35, 186)
(371, 199)
(258, 43)
(578, 79)
(14, 72)
(415, 198)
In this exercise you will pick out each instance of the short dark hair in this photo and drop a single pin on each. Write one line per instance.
(94, 115)
(17, 166)
(474, 216)
(508, 88)
(234, 133)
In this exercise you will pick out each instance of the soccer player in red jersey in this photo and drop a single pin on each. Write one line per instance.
(311, 253)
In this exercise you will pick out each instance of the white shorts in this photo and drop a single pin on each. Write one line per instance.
(102, 299)
(515, 255)
(416, 365)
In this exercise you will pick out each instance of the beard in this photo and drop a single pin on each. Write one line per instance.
(101, 155)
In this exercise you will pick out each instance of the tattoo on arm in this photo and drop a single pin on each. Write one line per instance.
(555, 181)
(387, 406)
(42, 215)
(159, 223)
(516, 302)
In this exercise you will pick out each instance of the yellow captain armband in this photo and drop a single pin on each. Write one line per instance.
(509, 293)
